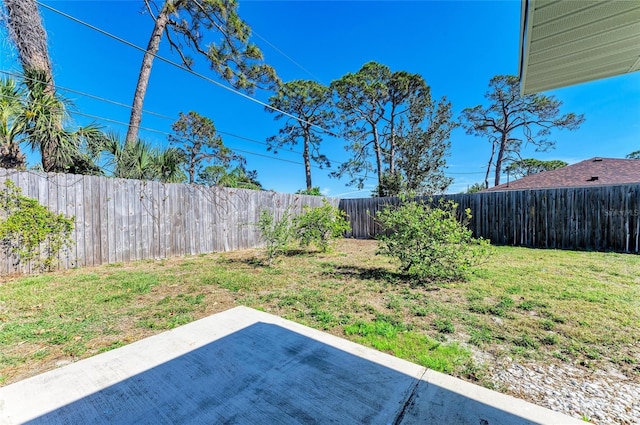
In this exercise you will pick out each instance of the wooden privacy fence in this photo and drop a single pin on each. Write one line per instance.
(602, 218)
(119, 220)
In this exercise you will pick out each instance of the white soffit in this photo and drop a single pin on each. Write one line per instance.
(565, 42)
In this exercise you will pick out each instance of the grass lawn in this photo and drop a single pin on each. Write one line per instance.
(539, 305)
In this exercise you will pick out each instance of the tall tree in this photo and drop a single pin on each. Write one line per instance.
(409, 95)
(634, 155)
(310, 102)
(184, 23)
(373, 104)
(196, 138)
(30, 38)
(512, 120)
(528, 166)
(360, 98)
(423, 148)
(12, 123)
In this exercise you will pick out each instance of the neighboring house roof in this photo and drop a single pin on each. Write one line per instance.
(591, 172)
(569, 42)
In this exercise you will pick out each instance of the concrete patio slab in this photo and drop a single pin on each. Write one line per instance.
(243, 366)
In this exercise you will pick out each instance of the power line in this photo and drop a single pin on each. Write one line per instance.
(177, 65)
(76, 112)
(285, 55)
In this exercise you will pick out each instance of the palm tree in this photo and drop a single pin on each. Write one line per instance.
(62, 150)
(12, 123)
(25, 28)
(169, 163)
(139, 160)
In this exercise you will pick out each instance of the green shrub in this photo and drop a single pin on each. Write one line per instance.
(30, 231)
(276, 234)
(314, 191)
(320, 226)
(430, 243)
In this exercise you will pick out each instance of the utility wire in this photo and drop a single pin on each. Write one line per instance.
(173, 119)
(270, 44)
(73, 111)
(164, 133)
(286, 56)
(181, 67)
(76, 112)
(177, 65)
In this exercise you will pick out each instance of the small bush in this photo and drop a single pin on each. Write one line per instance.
(314, 191)
(30, 231)
(430, 242)
(277, 234)
(320, 226)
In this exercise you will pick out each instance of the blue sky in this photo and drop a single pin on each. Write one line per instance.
(457, 46)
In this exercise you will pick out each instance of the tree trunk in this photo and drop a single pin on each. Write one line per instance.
(145, 72)
(378, 149)
(28, 34)
(499, 159)
(30, 38)
(486, 176)
(307, 160)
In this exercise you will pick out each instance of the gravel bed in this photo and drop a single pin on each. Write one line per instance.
(602, 397)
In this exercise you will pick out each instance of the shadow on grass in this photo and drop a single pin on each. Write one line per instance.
(380, 274)
(264, 262)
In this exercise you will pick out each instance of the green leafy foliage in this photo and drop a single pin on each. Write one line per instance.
(476, 187)
(430, 243)
(29, 231)
(320, 226)
(198, 142)
(528, 166)
(314, 191)
(277, 234)
(237, 177)
(395, 128)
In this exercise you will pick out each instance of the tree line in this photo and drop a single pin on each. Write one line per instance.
(390, 123)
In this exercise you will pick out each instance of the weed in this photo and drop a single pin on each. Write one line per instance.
(325, 319)
(592, 353)
(525, 341)
(112, 346)
(547, 325)
(550, 339)
(444, 326)
(394, 303)
(479, 307)
(419, 310)
(502, 307)
(561, 356)
(480, 336)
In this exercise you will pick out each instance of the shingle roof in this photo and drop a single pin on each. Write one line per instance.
(591, 172)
